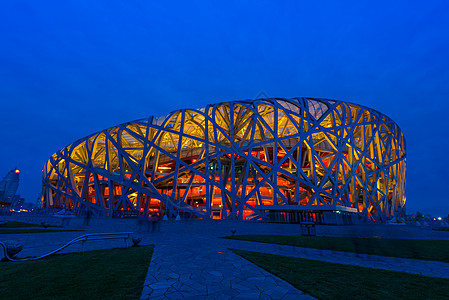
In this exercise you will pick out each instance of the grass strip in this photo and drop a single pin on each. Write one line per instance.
(325, 280)
(437, 250)
(15, 224)
(102, 274)
(31, 230)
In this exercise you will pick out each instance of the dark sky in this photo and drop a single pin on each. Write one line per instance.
(71, 68)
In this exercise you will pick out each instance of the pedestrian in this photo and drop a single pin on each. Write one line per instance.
(65, 219)
(150, 223)
(141, 219)
(156, 222)
(83, 214)
(88, 215)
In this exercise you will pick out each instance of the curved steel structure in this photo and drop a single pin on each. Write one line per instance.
(235, 159)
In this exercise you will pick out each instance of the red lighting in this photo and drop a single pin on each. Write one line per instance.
(17, 171)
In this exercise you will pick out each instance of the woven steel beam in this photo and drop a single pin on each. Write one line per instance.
(227, 158)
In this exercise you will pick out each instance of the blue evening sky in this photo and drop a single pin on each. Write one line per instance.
(70, 68)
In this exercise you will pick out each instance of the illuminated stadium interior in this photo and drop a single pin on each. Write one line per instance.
(300, 159)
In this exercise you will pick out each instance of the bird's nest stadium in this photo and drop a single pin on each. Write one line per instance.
(282, 160)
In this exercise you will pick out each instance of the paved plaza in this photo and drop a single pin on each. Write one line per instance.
(190, 260)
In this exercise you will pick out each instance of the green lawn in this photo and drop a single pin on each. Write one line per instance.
(102, 274)
(30, 230)
(437, 250)
(20, 227)
(325, 280)
(15, 224)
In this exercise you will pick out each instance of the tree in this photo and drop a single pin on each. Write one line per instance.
(419, 215)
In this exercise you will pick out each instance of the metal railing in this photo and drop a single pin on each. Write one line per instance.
(83, 239)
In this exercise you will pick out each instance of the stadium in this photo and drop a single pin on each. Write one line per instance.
(279, 160)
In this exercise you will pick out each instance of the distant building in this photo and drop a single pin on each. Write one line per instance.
(38, 202)
(8, 187)
(17, 201)
(28, 206)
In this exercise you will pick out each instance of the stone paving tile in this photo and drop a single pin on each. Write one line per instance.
(158, 292)
(174, 295)
(193, 297)
(161, 297)
(248, 295)
(186, 288)
(276, 292)
(225, 293)
(264, 296)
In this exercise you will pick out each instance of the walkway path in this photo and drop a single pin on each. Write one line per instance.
(414, 266)
(190, 260)
(190, 271)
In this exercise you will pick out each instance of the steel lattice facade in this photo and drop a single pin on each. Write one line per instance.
(233, 159)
